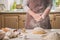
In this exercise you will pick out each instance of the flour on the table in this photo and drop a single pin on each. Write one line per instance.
(53, 36)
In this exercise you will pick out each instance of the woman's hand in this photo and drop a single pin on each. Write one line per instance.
(37, 17)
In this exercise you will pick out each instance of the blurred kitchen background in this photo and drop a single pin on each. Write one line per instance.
(10, 5)
(12, 14)
(17, 4)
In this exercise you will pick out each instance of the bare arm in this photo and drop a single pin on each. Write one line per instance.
(26, 8)
(47, 10)
(30, 12)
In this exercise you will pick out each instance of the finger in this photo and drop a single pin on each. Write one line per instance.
(37, 20)
(40, 14)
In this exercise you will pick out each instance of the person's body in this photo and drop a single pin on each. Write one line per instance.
(37, 13)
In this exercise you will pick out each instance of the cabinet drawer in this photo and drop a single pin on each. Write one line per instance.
(10, 21)
(22, 18)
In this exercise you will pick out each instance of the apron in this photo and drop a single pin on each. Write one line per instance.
(37, 6)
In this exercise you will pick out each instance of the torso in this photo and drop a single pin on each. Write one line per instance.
(37, 6)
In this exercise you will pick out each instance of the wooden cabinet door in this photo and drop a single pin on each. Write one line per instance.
(10, 21)
(22, 18)
(0, 21)
(57, 21)
(51, 20)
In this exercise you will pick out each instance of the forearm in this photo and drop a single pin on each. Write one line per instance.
(46, 12)
(31, 12)
(26, 8)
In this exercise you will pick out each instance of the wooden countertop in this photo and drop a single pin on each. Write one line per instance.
(22, 11)
(25, 12)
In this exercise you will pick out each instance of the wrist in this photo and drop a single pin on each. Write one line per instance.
(33, 16)
(43, 17)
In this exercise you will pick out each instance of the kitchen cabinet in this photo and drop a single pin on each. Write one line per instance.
(12, 20)
(0, 21)
(55, 20)
(17, 20)
(22, 18)
(52, 20)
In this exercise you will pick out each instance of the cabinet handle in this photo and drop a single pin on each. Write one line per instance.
(23, 20)
(54, 18)
(51, 20)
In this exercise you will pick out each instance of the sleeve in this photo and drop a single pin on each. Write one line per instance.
(25, 5)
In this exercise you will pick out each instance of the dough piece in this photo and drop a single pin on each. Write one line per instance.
(6, 29)
(38, 30)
